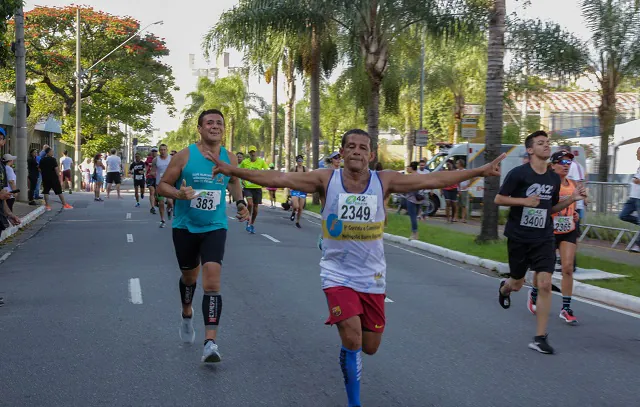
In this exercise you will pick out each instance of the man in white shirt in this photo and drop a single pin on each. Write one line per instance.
(114, 165)
(66, 162)
(633, 203)
(579, 175)
(422, 167)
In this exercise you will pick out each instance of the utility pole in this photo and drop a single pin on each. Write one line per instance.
(77, 179)
(21, 105)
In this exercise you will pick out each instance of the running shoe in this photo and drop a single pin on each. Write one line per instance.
(252, 229)
(292, 217)
(137, 204)
(141, 196)
(47, 208)
(33, 203)
(298, 225)
(162, 224)
(540, 344)
(187, 333)
(531, 306)
(567, 315)
(67, 206)
(210, 353)
(152, 210)
(169, 210)
(504, 300)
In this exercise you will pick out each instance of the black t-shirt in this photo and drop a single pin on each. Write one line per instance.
(533, 224)
(47, 168)
(137, 169)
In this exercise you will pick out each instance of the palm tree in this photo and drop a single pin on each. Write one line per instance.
(493, 112)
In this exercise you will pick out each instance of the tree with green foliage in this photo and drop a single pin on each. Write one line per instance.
(125, 87)
(7, 10)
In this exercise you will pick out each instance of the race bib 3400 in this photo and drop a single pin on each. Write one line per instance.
(206, 200)
(357, 207)
(533, 218)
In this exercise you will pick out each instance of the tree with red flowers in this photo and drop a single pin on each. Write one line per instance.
(124, 87)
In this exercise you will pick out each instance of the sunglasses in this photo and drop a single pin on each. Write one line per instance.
(337, 157)
(564, 162)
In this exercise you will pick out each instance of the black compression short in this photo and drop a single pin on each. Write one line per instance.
(193, 249)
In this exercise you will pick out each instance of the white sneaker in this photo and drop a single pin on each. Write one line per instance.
(635, 248)
(210, 353)
(187, 333)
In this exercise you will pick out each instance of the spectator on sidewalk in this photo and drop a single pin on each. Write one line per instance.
(39, 157)
(422, 167)
(633, 203)
(463, 201)
(578, 174)
(414, 202)
(33, 173)
(7, 218)
(86, 168)
(66, 163)
(450, 194)
(51, 179)
(7, 161)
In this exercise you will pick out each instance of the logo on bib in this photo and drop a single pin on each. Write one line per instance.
(334, 225)
(351, 200)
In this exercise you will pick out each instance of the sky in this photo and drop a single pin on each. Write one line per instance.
(186, 22)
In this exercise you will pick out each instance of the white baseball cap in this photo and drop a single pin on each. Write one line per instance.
(9, 157)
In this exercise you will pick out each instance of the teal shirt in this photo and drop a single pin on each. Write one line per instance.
(201, 214)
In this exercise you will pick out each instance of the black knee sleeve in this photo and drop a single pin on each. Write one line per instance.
(187, 292)
(211, 309)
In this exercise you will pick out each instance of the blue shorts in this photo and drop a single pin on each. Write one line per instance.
(298, 194)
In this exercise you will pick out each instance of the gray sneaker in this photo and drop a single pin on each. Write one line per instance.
(210, 353)
(187, 333)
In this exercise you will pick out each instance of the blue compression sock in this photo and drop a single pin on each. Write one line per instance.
(351, 365)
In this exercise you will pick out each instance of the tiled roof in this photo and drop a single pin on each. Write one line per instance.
(579, 101)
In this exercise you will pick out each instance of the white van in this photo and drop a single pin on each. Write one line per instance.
(473, 154)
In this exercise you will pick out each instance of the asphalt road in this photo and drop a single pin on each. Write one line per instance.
(71, 336)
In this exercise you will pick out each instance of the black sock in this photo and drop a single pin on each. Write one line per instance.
(211, 309)
(186, 293)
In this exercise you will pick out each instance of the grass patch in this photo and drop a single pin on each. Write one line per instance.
(464, 242)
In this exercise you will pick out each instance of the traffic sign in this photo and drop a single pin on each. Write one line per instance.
(469, 127)
(473, 110)
(421, 138)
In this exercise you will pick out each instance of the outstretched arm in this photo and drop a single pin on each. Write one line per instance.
(400, 183)
(309, 182)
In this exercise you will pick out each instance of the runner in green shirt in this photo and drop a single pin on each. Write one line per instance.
(253, 192)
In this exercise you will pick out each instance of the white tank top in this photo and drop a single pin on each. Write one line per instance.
(161, 166)
(353, 231)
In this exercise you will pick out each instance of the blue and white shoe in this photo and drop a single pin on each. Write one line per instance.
(187, 333)
(211, 353)
(137, 204)
(248, 227)
(252, 229)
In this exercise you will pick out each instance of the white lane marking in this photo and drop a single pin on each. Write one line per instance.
(231, 217)
(128, 216)
(388, 299)
(597, 304)
(129, 238)
(271, 238)
(5, 257)
(135, 291)
(315, 223)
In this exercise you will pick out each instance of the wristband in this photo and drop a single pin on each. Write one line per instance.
(241, 201)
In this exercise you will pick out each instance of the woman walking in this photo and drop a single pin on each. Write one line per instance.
(450, 194)
(98, 176)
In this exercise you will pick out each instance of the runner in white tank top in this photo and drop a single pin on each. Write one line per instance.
(353, 266)
(160, 165)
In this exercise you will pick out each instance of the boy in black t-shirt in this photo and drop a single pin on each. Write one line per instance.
(532, 191)
(51, 178)
(136, 169)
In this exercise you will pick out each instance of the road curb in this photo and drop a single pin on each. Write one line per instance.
(30, 217)
(587, 291)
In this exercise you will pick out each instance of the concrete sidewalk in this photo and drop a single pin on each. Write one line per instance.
(27, 213)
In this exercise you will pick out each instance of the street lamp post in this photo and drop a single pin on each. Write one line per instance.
(79, 73)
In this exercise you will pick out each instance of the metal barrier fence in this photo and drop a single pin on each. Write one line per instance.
(607, 197)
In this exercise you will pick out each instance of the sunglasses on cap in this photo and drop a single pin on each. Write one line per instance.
(337, 157)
